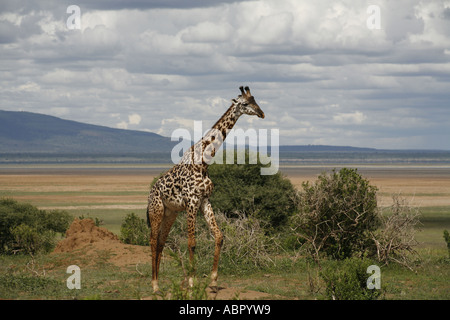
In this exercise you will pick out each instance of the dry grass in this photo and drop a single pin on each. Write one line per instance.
(129, 190)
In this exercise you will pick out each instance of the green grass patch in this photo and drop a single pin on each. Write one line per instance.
(288, 277)
(434, 221)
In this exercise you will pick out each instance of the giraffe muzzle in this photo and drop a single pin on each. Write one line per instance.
(261, 114)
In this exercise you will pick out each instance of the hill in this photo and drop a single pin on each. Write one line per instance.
(323, 148)
(32, 133)
(27, 137)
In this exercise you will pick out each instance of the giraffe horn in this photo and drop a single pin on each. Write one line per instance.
(248, 91)
(242, 90)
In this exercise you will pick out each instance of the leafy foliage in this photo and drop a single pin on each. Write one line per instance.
(30, 241)
(336, 213)
(25, 228)
(447, 240)
(134, 230)
(240, 188)
(347, 280)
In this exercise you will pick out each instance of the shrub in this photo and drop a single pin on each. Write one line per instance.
(25, 228)
(134, 230)
(336, 213)
(447, 240)
(395, 239)
(30, 241)
(245, 245)
(240, 188)
(347, 280)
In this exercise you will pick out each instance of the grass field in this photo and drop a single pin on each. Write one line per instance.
(110, 193)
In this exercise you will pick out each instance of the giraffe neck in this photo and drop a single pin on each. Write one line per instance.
(205, 149)
(226, 122)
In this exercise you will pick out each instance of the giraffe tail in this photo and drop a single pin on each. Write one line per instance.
(150, 198)
(148, 218)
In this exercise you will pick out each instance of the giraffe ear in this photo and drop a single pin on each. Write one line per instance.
(234, 100)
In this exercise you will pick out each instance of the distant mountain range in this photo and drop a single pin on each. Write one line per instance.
(27, 137)
(322, 148)
(26, 132)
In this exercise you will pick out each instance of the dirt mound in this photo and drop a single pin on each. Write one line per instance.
(88, 244)
(82, 233)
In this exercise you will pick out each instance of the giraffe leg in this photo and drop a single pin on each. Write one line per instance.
(191, 219)
(166, 224)
(155, 214)
(218, 238)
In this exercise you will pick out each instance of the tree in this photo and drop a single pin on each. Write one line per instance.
(23, 227)
(240, 188)
(336, 213)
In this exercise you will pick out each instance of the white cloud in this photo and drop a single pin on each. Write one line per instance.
(315, 68)
(272, 29)
(134, 119)
(171, 124)
(122, 125)
(436, 21)
(350, 118)
(207, 31)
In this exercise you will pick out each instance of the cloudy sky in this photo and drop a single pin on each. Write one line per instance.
(322, 71)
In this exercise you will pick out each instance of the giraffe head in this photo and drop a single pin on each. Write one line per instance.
(246, 104)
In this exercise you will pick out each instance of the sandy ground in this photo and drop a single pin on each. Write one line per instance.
(127, 188)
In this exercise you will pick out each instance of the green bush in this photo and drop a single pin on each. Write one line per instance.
(240, 188)
(447, 240)
(134, 230)
(347, 280)
(336, 214)
(25, 228)
(30, 241)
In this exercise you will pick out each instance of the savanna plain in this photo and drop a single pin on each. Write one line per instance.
(113, 270)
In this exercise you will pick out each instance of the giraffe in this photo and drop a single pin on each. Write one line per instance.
(187, 187)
